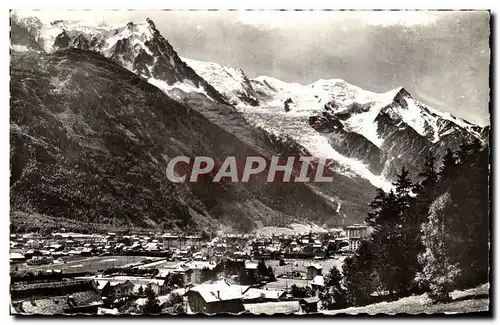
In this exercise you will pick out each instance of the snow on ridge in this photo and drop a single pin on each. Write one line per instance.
(311, 99)
(110, 34)
(187, 86)
(19, 48)
(229, 81)
(283, 125)
(425, 120)
(277, 83)
(456, 120)
(319, 147)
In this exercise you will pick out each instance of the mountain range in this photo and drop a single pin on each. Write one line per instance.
(96, 112)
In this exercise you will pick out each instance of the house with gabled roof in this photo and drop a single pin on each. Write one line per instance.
(216, 297)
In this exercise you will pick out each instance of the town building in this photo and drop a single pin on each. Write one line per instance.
(217, 297)
(196, 271)
(86, 302)
(118, 289)
(170, 241)
(256, 295)
(55, 297)
(355, 234)
(317, 283)
(313, 270)
(309, 305)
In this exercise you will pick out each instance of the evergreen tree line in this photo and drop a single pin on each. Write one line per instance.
(426, 236)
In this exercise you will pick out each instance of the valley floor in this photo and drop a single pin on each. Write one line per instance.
(464, 301)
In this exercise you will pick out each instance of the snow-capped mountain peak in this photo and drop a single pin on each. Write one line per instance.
(231, 82)
(137, 46)
(366, 133)
(429, 123)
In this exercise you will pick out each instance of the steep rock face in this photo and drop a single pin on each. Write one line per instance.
(87, 139)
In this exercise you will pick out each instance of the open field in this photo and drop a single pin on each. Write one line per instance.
(285, 284)
(465, 301)
(85, 264)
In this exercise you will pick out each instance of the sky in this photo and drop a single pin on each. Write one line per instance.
(441, 58)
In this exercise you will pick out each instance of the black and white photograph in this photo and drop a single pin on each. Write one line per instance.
(250, 162)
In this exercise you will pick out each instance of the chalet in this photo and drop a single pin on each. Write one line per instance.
(15, 244)
(56, 248)
(39, 260)
(88, 251)
(118, 289)
(76, 236)
(313, 270)
(317, 282)
(122, 286)
(33, 243)
(309, 305)
(251, 267)
(152, 247)
(218, 297)
(196, 271)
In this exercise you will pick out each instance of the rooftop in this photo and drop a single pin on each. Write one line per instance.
(219, 291)
(317, 266)
(59, 304)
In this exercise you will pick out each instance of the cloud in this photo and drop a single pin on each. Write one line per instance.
(289, 19)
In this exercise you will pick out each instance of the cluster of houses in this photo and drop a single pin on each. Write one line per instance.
(101, 294)
(185, 265)
(36, 249)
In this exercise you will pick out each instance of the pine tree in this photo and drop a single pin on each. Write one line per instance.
(261, 268)
(359, 275)
(174, 300)
(429, 175)
(448, 170)
(427, 189)
(470, 191)
(386, 223)
(333, 294)
(465, 176)
(395, 238)
(409, 242)
(152, 305)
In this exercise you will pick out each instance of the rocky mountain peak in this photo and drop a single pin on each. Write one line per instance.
(139, 47)
(152, 25)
